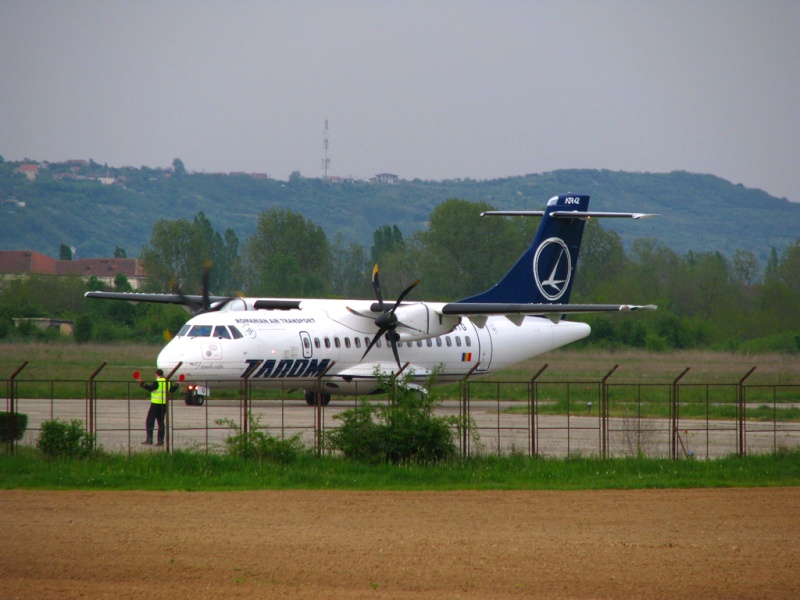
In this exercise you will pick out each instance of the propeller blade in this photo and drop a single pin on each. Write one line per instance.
(392, 337)
(359, 314)
(404, 294)
(206, 270)
(376, 284)
(373, 342)
(399, 324)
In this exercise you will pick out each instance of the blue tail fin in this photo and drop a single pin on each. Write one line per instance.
(544, 274)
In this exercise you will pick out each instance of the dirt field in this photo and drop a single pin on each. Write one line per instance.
(331, 544)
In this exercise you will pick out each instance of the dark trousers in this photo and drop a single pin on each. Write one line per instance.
(156, 413)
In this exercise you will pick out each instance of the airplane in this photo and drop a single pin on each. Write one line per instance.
(329, 347)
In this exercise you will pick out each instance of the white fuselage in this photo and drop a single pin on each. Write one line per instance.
(322, 341)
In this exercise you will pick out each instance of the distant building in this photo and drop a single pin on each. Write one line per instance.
(64, 326)
(389, 178)
(30, 171)
(23, 262)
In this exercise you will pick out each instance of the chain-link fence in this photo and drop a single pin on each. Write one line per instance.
(532, 417)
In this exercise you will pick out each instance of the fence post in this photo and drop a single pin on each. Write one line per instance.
(673, 415)
(12, 425)
(533, 419)
(741, 414)
(604, 412)
(463, 410)
(91, 407)
(168, 408)
(319, 413)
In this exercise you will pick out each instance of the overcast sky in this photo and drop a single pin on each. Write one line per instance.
(434, 90)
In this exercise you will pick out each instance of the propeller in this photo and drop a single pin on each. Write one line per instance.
(204, 305)
(387, 321)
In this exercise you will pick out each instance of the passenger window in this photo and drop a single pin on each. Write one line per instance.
(458, 341)
(438, 342)
(306, 343)
(378, 343)
(429, 342)
(327, 342)
(237, 335)
(358, 342)
(337, 343)
(221, 332)
(408, 344)
(347, 342)
(366, 342)
(449, 341)
(467, 340)
(419, 343)
(316, 343)
(200, 331)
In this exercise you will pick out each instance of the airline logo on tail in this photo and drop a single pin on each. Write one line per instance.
(552, 268)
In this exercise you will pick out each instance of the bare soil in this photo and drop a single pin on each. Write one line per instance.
(702, 543)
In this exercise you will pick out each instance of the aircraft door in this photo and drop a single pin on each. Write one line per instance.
(305, 342)
(485, 347)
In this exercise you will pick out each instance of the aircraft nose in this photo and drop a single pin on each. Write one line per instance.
(169, 358)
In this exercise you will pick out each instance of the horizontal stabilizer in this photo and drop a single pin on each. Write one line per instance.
(566, 214)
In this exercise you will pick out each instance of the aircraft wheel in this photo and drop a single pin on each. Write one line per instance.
(314, 399)
(194, 399)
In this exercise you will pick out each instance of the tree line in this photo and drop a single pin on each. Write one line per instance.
(705, 299)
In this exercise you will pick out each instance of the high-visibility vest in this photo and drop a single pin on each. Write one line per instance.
(159, 395)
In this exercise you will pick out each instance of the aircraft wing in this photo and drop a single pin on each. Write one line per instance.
(479, 311)
(158, 298)
(466, 309)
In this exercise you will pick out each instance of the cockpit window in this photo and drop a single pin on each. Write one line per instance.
(221, 332)
(184, 329)
(200, 331)
(237, 335)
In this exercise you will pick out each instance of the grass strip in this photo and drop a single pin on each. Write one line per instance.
(195, 471)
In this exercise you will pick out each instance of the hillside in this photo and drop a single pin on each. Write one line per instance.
(67, 203)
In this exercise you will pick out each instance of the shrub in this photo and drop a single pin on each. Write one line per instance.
(259, 444)
(20, 425)
(404, 430)
(69, 440)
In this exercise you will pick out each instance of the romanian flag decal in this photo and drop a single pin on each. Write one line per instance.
(466, 357)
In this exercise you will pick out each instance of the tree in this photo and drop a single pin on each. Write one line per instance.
(465, 254)
(64, 252)
(745, 267)
(349, 276)
(386, 240)
(119, 252)
(178, 168)
(600, 262)
(287, 256)
(179, 252)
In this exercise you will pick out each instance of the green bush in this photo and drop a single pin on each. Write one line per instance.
(20, 425)
(68, 440)
(259, 444)
(404, 430)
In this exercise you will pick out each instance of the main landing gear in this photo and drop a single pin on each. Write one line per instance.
(314, 399)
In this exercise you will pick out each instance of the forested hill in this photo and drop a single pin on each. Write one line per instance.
(68, 204)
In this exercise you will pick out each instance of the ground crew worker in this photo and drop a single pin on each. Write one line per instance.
(158, 406)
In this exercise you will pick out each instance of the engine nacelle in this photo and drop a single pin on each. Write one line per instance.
(425, 323)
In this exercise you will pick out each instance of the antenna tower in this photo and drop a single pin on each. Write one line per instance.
(326, 161)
